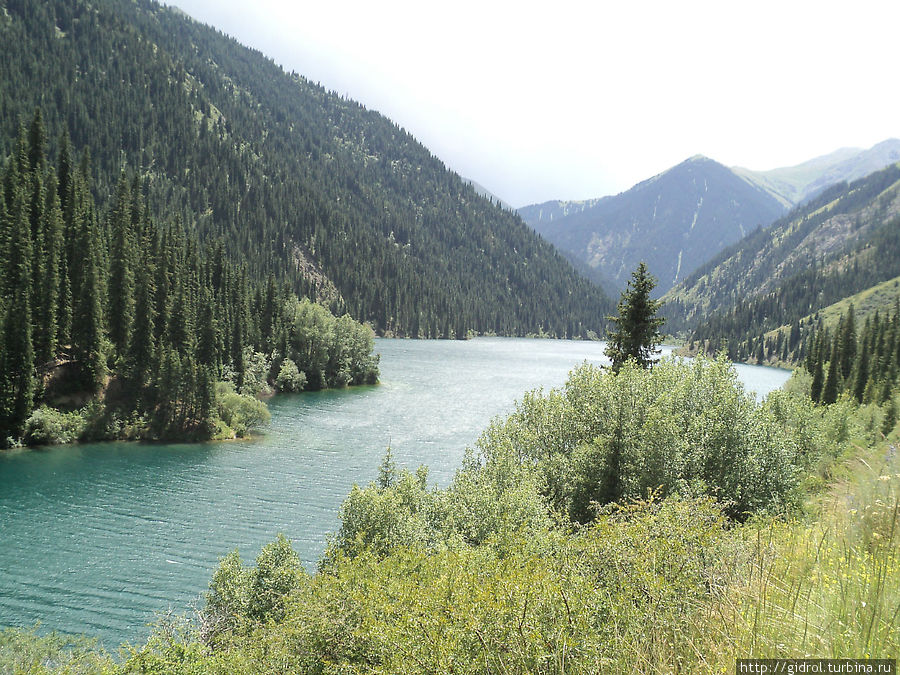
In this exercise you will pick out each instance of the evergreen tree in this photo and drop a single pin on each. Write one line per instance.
(47, 310)
(142, 347)
(831, 386)
(634, 333)
(121, 269)
(87, 286)
(37, 143)
(818, 371)
(862, 376)
(848, 343)
(17, 355)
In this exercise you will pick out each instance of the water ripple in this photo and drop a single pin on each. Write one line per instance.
(99, 538)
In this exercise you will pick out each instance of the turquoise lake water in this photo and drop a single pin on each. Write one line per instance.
(99, 538)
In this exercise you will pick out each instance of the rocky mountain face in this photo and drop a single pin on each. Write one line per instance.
(674, 222)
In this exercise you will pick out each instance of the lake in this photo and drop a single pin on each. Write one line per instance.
(99, 538)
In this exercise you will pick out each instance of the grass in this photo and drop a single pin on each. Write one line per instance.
(828, 587)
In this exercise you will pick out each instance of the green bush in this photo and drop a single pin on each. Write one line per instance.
(606, 437)
(241, 597)
(241, 412)
(49, 426)
(289, 377)
(484, 502)
(25, 651)
(623, 594)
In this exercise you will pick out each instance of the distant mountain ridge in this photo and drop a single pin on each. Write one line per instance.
(683, 217)
(794, 185)
(674, 221)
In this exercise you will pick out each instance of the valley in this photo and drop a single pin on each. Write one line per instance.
(282, 391)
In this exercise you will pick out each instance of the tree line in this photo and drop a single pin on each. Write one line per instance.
(860, 362)
(104, 308)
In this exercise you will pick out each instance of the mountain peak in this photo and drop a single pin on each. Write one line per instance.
(674, 222)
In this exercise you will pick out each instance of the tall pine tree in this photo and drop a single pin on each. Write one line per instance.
(634, 333)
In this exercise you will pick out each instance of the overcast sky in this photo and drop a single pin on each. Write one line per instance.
(559, 99)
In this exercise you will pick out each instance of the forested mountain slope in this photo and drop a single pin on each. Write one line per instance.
(674, 222)
(843, 242)
(297, 181)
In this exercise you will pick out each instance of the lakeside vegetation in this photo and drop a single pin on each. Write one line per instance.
(116, 326)
(497, 573)
(635, 520)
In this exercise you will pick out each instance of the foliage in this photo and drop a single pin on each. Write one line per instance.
(330, 351)
(516, 608)
(301, 183)
(256, 373)
(25, 651)
(241, 412)
(636, 333)
(606, 437)
(659, 584)
(238, 595)
(48, 426)
(289, 377)
(148, 355)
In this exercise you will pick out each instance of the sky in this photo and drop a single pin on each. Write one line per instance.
(564, 99)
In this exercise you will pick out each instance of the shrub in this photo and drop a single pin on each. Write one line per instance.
(238, 596)
(289, 377)
(606, 437)
(241, 412)
(48, 426)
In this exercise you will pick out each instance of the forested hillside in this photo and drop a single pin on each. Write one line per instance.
(120, 326)
(843, 242)
(334, 199)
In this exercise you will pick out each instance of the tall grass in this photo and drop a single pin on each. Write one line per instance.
(828, 587)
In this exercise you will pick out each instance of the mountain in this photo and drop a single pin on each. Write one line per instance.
(294, 181)
(844, 241)
(796, 184)
(487, 194)
(674, 222)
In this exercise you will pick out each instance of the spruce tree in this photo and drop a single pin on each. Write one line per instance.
(121, 270)
(818, 371)
(142, 347)
(87, 291)
(47, 309)
(831, 386)
(635, 334)
(17, 355)
(862, 376)
(37, 143)
(848, 344)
